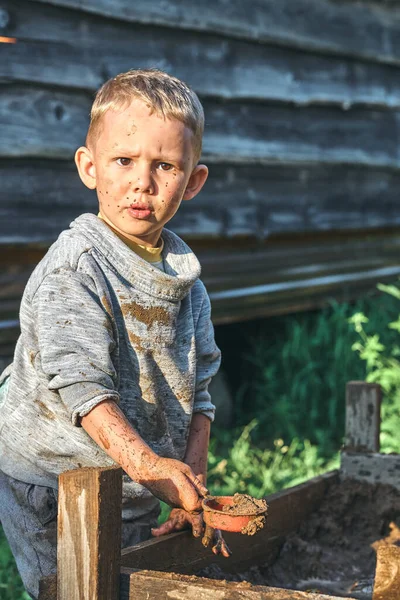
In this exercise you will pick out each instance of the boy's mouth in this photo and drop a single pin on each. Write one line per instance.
(139, 211)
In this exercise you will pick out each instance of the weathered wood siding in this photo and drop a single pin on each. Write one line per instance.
(302, 101)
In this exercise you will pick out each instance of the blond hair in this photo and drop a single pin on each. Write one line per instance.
(165, 95)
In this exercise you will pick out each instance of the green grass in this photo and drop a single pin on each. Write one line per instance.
(11, 587)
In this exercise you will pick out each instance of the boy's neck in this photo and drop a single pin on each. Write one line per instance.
(149, 253)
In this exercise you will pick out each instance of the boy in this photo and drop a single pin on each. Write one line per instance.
(117, 347)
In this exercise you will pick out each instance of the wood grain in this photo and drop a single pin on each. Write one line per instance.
(366, 29)
(46, 123)
(56, 47)
(237, 200)
(387, 576)
(89, 534)
(150, 585)
(363, 416)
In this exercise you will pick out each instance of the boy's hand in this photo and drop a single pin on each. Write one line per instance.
(181, 519)
(173, 482)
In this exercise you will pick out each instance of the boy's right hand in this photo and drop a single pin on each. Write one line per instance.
(173, 482)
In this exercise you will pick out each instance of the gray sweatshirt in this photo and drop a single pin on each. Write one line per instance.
(97, 322)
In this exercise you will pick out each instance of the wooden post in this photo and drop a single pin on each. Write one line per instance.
(363, 416)
(89, 534)
(387, 576)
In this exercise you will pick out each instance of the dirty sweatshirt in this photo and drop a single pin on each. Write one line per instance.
(97, 322)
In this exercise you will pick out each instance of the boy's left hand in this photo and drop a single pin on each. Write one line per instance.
(181, 519)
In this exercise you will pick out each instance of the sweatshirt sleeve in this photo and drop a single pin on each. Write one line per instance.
(208, 359)
(76, 341)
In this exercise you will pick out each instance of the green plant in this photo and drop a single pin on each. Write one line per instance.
(290, 372)
(11, 587)
(247, 468)
(380, 353)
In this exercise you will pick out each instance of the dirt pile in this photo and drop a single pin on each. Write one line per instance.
(334, 550)
(243, 504)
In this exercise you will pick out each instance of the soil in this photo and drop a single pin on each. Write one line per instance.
(243, 504)
(334, 550)
(254, 525)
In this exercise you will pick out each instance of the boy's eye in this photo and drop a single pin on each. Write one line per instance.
(123, 162)
(165, 166)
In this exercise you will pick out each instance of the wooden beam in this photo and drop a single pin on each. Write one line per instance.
(181, 553)
(53, 51)
(89, 534)
(364, 30)
(387, 575)
(45, 123)
(371, 467)
(363, 416)
(237, 200)
(150, 585)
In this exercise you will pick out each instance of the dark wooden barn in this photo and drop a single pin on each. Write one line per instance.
(302, 103)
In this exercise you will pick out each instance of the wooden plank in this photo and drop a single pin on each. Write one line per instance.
(181, 553)
(89, 534)
(51, 44)
(365, 30)
(387, 575)
(363, 416)
(150, 585)
(45, 123)
(238, 200)
(153, 585)
(371, 467)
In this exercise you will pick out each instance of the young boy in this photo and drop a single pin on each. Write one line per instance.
(117, 347)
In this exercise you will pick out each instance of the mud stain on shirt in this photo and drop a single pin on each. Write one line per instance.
(105, 302)
(136, 341)
(146, 315)
(46, 412)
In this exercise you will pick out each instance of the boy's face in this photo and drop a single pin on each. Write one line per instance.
(142, 168)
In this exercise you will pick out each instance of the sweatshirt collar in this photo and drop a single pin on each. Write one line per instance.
(182, 268)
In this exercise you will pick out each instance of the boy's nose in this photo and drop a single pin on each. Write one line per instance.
(144, 182)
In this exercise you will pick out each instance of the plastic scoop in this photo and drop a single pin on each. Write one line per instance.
(239, 513)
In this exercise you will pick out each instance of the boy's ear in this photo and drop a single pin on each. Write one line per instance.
(86, 168)
(196, 181)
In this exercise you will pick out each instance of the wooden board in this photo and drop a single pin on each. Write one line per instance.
(150, 585)
(371, 467)
(54, 41)
(46, 123)
(181, 553)
(365, 30)
(237, 200)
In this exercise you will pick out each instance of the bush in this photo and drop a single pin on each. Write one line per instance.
(247, 468)
(290, 373)
(380, 352)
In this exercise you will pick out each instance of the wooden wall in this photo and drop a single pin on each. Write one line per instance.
(302, 102)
